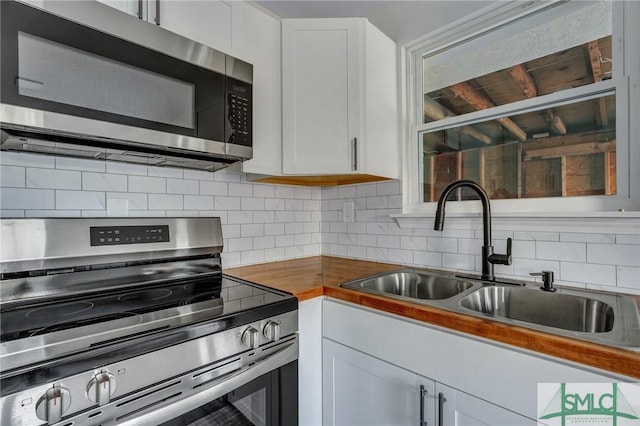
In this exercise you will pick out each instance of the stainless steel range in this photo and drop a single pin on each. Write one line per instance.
(132, 321)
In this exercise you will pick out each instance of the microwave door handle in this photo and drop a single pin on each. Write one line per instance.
(140, 8)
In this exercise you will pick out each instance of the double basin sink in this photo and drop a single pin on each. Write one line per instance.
(604, 318)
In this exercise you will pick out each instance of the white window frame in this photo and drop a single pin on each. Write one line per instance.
(624, 83)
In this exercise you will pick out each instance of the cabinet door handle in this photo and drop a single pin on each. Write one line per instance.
(157, 20)
(441, 401)
(140, 6)
(423, 394)
(354, 165)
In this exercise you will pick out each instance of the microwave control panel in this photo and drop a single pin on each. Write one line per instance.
(239, 112)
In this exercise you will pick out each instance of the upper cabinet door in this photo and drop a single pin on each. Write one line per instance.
(136, 8)
(209, 22)
(322, 77)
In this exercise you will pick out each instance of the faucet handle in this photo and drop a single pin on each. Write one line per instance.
(502, 259)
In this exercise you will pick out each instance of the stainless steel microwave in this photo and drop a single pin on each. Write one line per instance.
(80, 78)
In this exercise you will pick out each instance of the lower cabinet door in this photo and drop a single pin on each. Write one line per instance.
(359, 389)
(455, 408)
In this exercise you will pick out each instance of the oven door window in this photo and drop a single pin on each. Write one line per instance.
(269, 400)
(248, 410)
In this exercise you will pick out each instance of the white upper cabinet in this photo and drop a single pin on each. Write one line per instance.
(260, 45)
(132, 7)
(321, 94)
(339, 98)
(210, 22)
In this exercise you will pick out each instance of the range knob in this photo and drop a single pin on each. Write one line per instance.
(271, 330)
(101, 388)
(53, 404)
(250, 337)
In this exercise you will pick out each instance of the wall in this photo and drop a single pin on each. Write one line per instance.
(263, 223)
(260, 223)
(592, 260)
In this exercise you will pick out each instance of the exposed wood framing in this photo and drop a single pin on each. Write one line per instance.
(596, 72)
(437, 139)
(576, 138)
(610, 173)
(483, 169)
(607, 178)
(519, 165)
(432, 178)
(556, 122)
(434, 110)
(563, 175)
(580, 177)
(567, 150)
(602, 117)
(594, 57)
(480, 101)
(521, 76)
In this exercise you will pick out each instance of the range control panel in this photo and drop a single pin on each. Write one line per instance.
(116, 235)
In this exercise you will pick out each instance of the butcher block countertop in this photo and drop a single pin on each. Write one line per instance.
(311, 277)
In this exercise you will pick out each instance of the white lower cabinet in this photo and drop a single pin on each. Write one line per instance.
(359, 389)
(374, 363)
(461, 409)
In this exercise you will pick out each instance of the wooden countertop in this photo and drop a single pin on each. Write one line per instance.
(321, 275)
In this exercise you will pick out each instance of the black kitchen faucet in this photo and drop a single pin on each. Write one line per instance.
(489, 258)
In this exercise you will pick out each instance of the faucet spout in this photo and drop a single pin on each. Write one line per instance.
(488, 257)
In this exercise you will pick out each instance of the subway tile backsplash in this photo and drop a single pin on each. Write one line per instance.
(264, 222)
(260, 222)
(587, 260)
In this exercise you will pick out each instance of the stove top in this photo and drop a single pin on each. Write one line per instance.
(38, 318)
(40, 331)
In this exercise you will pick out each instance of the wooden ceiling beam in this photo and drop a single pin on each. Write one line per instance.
(480, 101)
(521, 76)
(594, 58)
(528, 85)
(434, 110)
(570, 150)
(556, 122)
(572, 139)
(602, 117)
(596, 72)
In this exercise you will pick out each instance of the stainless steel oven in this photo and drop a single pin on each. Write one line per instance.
(133, 322)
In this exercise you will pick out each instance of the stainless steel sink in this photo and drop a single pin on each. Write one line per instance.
(599, 317)
(411, 284)
(567, 312)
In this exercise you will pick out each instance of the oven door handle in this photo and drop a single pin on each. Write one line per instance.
(223, 386)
